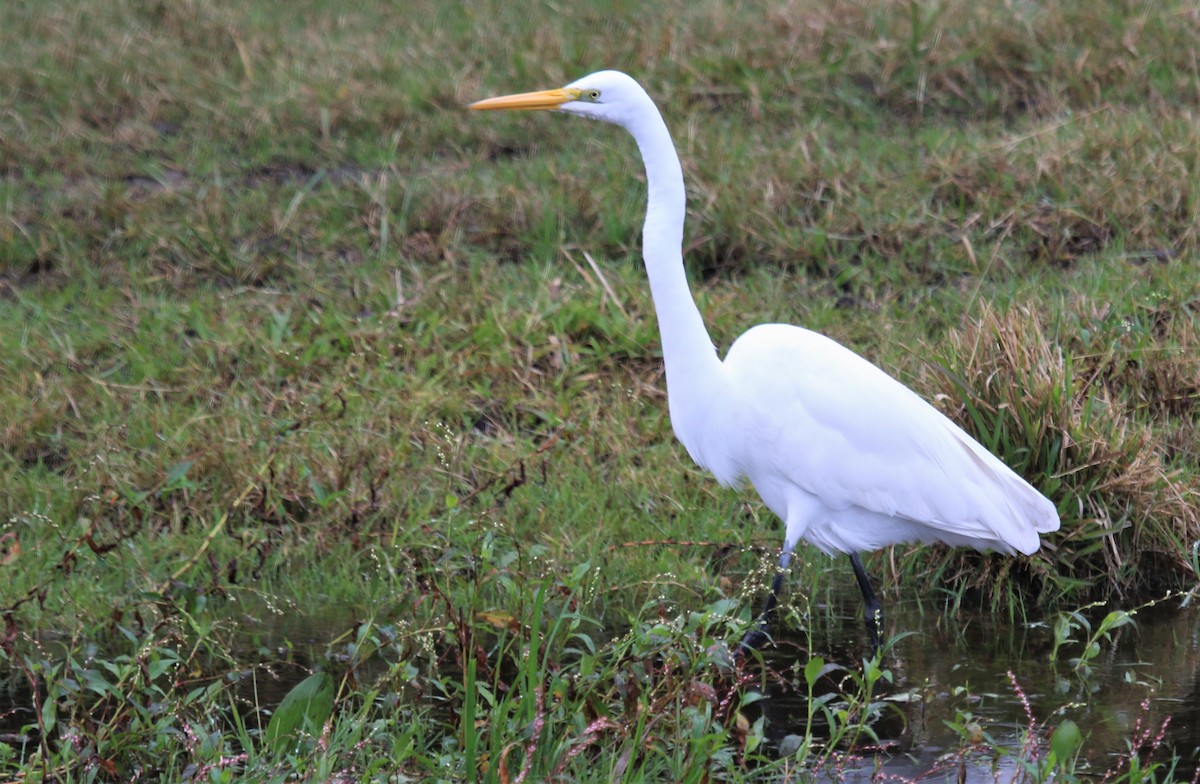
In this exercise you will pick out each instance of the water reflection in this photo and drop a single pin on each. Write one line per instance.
(1147, 675)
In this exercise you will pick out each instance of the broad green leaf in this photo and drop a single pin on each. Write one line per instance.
(305, 708)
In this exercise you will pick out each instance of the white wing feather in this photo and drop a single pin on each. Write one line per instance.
(853, 460)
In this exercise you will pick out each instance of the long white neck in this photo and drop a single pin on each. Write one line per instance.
(687, 349)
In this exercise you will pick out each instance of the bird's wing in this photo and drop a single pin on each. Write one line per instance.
(819, 416)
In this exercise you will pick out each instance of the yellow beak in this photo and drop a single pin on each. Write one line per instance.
(542, 99)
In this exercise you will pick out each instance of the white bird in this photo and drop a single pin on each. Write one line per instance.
(849, 458)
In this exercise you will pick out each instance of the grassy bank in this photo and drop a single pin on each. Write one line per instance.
(281, 326)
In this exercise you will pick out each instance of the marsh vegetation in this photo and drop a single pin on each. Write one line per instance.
(286, 334)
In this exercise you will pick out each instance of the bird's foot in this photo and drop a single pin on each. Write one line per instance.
(754, 640)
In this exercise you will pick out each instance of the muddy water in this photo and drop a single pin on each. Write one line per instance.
(1148, 674)
(951, 663)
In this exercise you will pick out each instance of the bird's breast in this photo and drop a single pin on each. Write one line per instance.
(700, 418)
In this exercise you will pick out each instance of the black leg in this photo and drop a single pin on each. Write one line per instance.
(872, 611)
(760, 633)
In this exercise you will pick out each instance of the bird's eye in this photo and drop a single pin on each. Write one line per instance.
(592, 95)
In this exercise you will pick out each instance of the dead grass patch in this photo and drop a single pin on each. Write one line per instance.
(1073, 418)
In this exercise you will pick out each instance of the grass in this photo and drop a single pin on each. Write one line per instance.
(283, 327)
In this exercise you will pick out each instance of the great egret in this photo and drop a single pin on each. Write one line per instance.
(848, 457)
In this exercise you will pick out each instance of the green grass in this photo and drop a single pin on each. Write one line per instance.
(281, 323)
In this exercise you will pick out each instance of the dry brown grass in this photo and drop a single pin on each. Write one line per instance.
(1095, 422)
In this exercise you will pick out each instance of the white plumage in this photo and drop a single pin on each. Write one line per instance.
(849, 458)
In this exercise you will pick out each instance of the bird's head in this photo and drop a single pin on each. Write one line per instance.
(610, 96)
